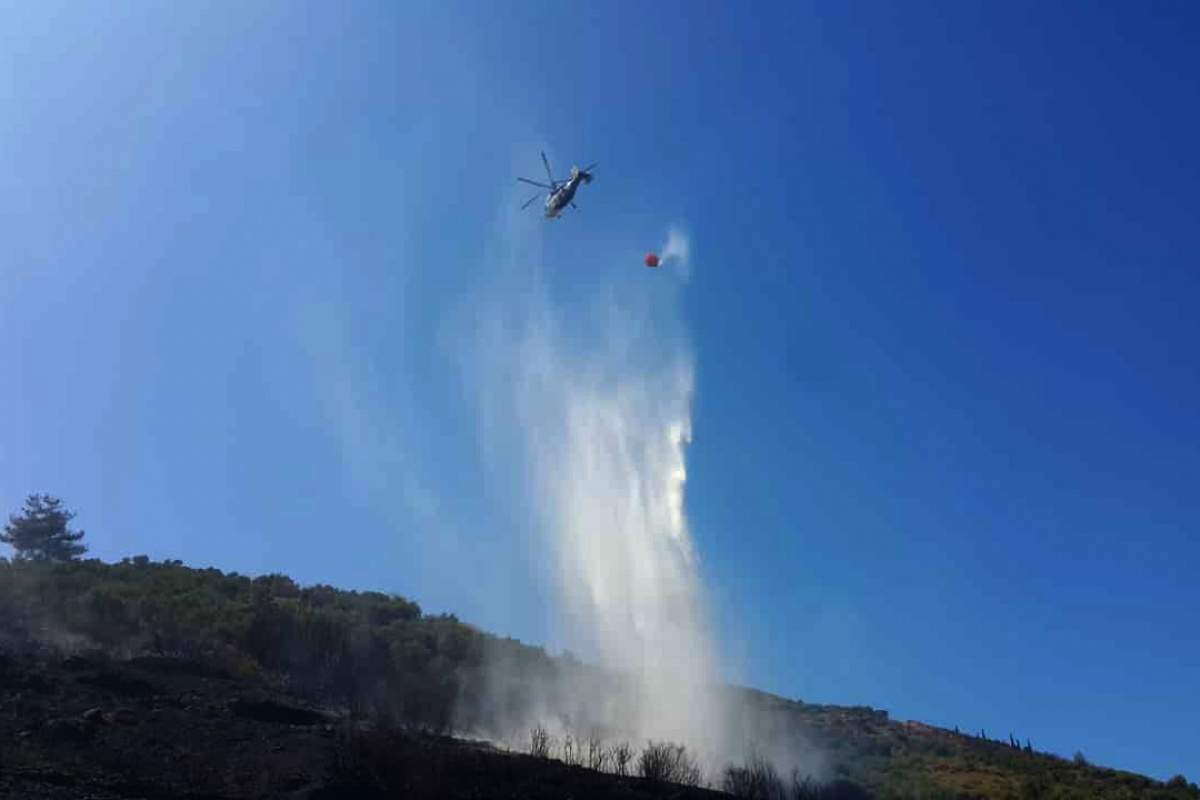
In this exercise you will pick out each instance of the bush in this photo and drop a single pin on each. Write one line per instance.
(756, 780)
(666, 762)
(809, 789)
(570, 751)
(620, 758)
(597, 755)
(539, 742)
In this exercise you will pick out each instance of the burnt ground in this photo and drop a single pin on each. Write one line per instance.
(162, 727)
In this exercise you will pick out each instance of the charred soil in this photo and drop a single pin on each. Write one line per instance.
(161, 727)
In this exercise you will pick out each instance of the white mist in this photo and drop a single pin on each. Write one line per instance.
(594, 393)
(608, 426)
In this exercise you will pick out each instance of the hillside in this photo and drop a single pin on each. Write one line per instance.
(170, 727)
(213, 656)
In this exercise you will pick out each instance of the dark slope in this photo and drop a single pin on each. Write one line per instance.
(90, 726)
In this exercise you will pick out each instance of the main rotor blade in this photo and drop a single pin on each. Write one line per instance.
(535, 183)
(546, 163)
(590, 168)
(530, 200)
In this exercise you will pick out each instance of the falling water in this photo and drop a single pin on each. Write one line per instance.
(607, 420)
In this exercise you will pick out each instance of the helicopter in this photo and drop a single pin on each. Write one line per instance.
(560, 193)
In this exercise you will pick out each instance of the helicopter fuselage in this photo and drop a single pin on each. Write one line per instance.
(558, 200)
(560, 194)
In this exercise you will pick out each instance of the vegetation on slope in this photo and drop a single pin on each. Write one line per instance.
(380, 656)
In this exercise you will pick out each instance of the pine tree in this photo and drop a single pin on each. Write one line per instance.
(40, 532)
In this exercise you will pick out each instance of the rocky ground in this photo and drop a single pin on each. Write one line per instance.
(164, 727)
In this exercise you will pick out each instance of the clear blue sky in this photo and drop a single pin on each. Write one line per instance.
(946, 456)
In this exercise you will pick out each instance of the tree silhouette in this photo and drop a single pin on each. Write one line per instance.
(40, 532)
